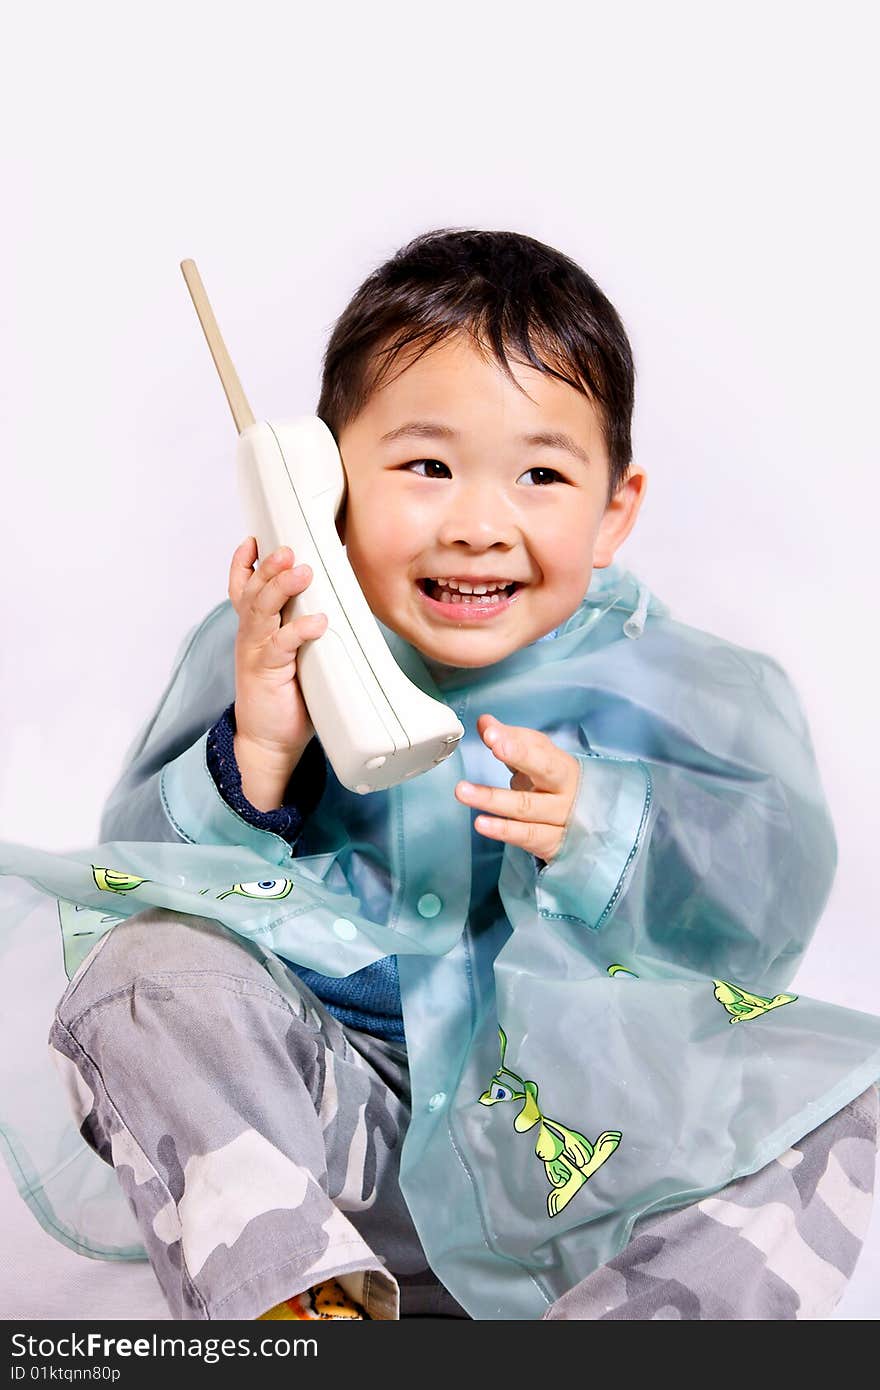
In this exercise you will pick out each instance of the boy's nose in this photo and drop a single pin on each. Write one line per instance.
(476, 517)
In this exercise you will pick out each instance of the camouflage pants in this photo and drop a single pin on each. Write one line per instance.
(779, 1243)
(256, 1139)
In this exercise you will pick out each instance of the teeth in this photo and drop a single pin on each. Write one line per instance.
(455, 591)
(457, 599)
(460, 586)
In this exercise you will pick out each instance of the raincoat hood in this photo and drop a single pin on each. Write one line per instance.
(603, 1036)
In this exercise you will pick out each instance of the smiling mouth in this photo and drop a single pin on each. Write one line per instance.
(453, 599)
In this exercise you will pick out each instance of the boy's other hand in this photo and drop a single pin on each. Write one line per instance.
(534, 813)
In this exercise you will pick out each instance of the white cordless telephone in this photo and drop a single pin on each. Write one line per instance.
(376, 727)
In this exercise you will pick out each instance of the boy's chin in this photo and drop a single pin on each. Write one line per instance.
(461, 652)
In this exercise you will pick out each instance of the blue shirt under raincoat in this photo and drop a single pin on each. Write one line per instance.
(589, 1041)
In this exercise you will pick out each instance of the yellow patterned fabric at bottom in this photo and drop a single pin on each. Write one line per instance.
(323, 1301)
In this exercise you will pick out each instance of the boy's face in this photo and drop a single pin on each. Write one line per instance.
(465, 497)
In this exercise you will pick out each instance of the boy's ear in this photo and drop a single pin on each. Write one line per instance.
(620, 517)
(340, 519)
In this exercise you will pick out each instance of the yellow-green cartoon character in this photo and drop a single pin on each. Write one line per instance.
(266, 888)
(113, 881)
(568, 1158)
(742, 1006)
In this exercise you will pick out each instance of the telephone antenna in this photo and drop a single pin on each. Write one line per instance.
(238, 403)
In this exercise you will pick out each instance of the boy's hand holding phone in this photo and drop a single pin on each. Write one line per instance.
(542, 789)
(272, 723)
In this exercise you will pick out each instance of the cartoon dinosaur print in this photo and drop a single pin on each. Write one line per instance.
(266, 888)
(113, 881)
(569, 1158)
(743, 1006)
(117, 881)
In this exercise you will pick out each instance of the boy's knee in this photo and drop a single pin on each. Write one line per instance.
(151, 943)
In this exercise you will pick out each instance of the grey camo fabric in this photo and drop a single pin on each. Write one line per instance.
(779, 1243)
(256, 1139)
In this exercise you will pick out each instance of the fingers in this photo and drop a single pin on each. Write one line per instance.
(242, 569)
(245, 583)
(528, 753)
(537, 807)
(259, 595)
(544, 841)
(533, 811)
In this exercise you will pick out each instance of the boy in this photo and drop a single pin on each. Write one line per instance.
(421, 1060)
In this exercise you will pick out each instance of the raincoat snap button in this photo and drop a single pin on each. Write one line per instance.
(428, 905)
(436, 1100)
(347, 930)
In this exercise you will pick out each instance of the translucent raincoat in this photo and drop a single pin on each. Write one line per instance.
(604, 1036)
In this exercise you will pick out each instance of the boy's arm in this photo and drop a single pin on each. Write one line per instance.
(167, 791)
(302, 794)
(709, 838)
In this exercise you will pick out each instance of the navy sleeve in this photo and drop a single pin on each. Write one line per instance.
(301, 796)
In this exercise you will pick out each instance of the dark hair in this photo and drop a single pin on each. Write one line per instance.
(501, 286)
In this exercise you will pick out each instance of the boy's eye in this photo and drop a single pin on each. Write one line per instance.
(436, 462)
(550, 475)
(553, 475)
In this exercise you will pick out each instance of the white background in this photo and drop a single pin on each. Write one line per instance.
(713, 167)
